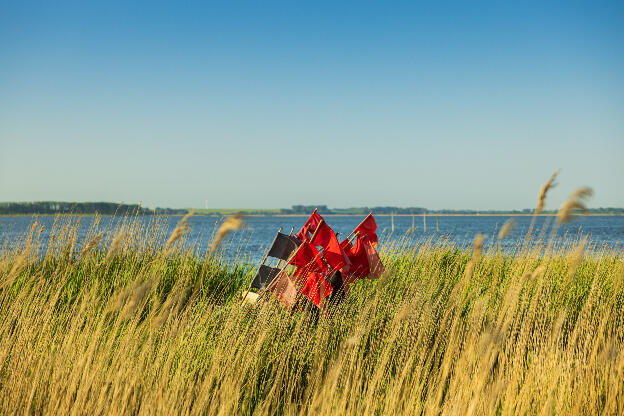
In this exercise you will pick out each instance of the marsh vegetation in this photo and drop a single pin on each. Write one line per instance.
(134, 320)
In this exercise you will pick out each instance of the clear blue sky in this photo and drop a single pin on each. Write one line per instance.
(265, 104)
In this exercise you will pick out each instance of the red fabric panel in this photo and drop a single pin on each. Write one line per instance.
(368, 228)
(359, 267)
(307, 257)
(316, 288)
(374, 262)
(309, 227)
(332, 252)
(284, 289)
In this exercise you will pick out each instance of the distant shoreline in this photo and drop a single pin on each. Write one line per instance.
(53, 208)
(618, 214)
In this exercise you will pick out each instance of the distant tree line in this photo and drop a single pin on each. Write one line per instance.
(388, 210)
(102, 208)
(306, 209)
(113, 208)
(383, 210)
(322, 209)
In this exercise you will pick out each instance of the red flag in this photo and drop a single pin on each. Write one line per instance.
(347, 276)
(316, 288)
(307, 256)
(284, 289)
(332, 252)
(309, 227)
(368, 228)
(374, 262)
(309, 273)
(359, 267)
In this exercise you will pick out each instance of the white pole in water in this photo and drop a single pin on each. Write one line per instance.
(392, 220)
(424, 222)
(437, 224)
(413, 226)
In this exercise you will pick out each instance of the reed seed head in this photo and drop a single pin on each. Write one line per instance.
(478, 246)
(181, 229)
(541, 199)
(91, 244)
(231, 223)
(116, 243)
(576, 202)
(506, 228)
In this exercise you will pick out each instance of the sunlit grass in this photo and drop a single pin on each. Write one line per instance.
(133, 321)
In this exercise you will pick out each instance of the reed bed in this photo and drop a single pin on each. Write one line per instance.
(135, 320)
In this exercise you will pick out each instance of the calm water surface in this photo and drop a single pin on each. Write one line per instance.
(253, 240)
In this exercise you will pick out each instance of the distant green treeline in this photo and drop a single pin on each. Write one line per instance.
(113, 208)
(388, 210)
(102, 208)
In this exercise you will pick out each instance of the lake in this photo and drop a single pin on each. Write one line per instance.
(253, 240)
